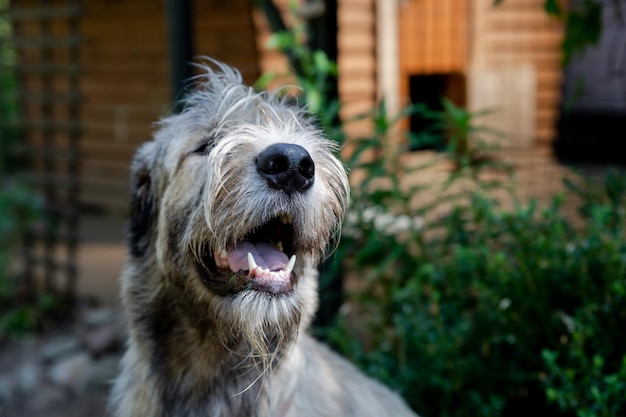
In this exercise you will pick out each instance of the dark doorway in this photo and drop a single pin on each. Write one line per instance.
(429, 89)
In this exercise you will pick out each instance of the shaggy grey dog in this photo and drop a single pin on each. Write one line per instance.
(233, 205)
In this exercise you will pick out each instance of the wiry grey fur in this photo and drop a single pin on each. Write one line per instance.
(194, 351)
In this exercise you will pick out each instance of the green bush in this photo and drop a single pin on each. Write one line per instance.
(479, 309)
(472, 302)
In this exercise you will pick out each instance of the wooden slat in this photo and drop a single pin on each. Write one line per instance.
(42, 97)
(45, 42)
(56, 180)
(357, 88)
(528, 41)
(42, 13)
(48, 152)
(355, 16)
(43, 69)
(361, 41)
(112, 195)
(43, 125)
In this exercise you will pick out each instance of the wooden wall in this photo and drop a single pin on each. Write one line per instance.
(125, 78)
(124, 89)
(356, 40)
(125, 83)
(509, 53)
(517, 42)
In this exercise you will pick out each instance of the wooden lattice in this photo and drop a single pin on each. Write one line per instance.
(46, 40)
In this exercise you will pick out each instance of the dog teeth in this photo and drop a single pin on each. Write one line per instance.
(279, 245)
(254, 269)
(290, 265)
(251, 263)
(284, 219)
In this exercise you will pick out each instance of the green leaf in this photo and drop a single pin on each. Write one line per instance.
(584, 28)
(321, 62)
(552, 7)
(314, 100)
(280, 41)
(264, 80)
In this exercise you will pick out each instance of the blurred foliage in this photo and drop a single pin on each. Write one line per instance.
(21, 309)
(314, 71)
(458, 132)
(470, 301)
(471, 308)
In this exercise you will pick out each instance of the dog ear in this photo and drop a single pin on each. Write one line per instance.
(143, 202)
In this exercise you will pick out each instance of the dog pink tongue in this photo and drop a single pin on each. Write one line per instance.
(266, 255)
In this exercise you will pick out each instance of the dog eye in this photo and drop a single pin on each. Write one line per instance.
(204, 146)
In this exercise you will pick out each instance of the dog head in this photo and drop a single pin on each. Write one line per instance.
(235, 202)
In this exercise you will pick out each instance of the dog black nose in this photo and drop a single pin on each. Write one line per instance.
(286, 167)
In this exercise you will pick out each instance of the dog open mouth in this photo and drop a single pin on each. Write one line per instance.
(263, 260)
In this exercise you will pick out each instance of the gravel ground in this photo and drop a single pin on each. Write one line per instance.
(86, 404)
(66, 373)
